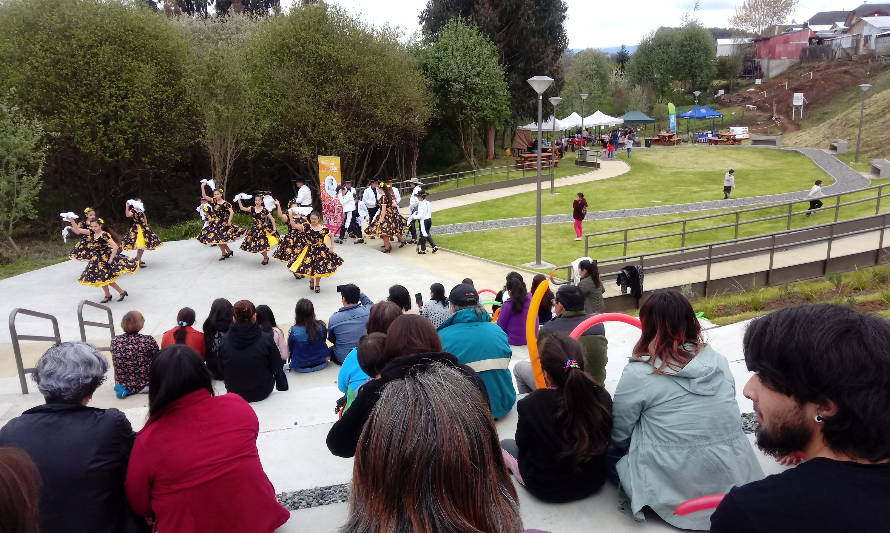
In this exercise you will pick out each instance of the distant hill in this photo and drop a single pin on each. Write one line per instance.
(609, 50)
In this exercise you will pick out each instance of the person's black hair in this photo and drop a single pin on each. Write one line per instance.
(731, 171)
(176, 370)
(570, 297)
(184, 318)
(547, 300)
(581, 195)
(584, 422)
(304, 315)
(220, 311)
(818, 182)
(468, 281)
(370, 352)
(265, 318)
(351, 293)
(515, 286)
(593, 271)
(400, 296)
(437, 290)
(821, 353)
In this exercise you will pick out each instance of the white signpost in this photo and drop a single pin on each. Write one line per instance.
(797, 102)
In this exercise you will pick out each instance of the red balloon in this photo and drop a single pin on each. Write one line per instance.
(604, 317)
(702, 503)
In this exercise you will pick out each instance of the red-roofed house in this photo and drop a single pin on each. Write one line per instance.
(774, 55)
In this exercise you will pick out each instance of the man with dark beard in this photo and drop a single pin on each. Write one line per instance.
(821, 388)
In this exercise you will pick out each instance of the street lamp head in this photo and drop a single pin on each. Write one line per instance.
(696, 93)
(540, 83)
(555, 100)
(865, 87)
(584, 96)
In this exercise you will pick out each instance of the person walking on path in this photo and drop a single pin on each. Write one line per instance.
(629, 143)
(813, 196)
(728, 183)
(579, 211)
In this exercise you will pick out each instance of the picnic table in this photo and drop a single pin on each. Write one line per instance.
(667, 139)
(724, 138)
(529, 160)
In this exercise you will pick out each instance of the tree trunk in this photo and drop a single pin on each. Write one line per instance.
(489, 144)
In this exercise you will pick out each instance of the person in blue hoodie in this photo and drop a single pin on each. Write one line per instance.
(480, 344)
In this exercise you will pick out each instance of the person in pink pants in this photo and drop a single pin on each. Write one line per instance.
(579, 211)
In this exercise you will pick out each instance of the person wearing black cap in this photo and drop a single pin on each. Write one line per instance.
(424, 214)
(480, 344)
(569, 306)
(303, 200)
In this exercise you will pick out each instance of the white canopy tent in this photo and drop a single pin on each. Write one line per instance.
(570, 122)
(601, 119)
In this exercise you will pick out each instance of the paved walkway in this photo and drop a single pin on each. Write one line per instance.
(845, 180)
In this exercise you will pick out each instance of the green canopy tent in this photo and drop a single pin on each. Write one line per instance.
(637, 118)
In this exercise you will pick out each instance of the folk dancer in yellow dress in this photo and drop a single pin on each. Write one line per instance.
(140, 237)
(390, 223)
(262, 234)
(219, 229)
(106, 261)
(317, 259)
(294, 241)
(81, 252)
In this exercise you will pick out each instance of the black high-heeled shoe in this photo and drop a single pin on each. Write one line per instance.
(106, 299)
(122, 296)
(317, 290)
(265, 261)
(230, 254)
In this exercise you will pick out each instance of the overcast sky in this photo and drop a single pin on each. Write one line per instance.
(594, 24)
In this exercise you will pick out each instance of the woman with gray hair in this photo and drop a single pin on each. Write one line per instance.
(81, 451)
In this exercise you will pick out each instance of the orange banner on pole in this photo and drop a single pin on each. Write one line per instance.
(329, 178)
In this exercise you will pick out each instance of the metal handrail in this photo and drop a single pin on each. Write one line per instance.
(719, 257)
(83, 323)
(16, 348)
(683, 233)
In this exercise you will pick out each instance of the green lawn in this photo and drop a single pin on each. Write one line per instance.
(515, 246)
(566, 168)
(661, 177)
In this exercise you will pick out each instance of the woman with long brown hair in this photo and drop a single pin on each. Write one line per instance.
(591, 287)
(19, 492)
(676, 418)
(306, 340)
(563, 429)
(428, 461)
(411, 341)
(390, 223)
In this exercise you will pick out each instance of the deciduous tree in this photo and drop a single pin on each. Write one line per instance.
(756, 15)
(589, 72)
(22, 153)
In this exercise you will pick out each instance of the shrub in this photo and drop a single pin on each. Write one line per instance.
(860, 280)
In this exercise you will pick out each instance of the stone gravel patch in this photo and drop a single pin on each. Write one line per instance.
(306, 498)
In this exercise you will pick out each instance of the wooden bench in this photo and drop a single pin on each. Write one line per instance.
(838, 146)
(766, 140)
(880, 168)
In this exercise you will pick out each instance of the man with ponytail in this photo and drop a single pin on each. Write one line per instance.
(184, 333)
(563, 430)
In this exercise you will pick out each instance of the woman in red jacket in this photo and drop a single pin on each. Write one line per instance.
(195, 465)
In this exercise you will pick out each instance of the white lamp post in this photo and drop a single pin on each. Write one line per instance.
(539, 84)
(583, 97)
(696, 93)
(864, 87)
(554, 100)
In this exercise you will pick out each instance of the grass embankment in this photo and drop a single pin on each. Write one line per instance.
(840, 120)
(660, 177)
(515, 246)
(866, 290)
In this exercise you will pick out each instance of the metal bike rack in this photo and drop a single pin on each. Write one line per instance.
(83, 323)
(16, 348)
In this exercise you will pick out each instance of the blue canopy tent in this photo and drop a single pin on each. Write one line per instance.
(700, 113)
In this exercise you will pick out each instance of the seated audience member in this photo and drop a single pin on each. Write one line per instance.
(195, 465)
(675, 417)
(306, 340)
(347, 325)
(131, 355)
(545, 311)
(563, 430)
(591, 287)
(81, 452)
(265, 319)
(411, 343)
(372, 354)
(400, 296)
(184, 333)
(215, 327)
(436, 308)
(468, 281)
(429, 460)
(351, 375)
(569, 304)
(515, 310)
(471, 336)
(821, 387)
(19, 492)
(250, 359)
